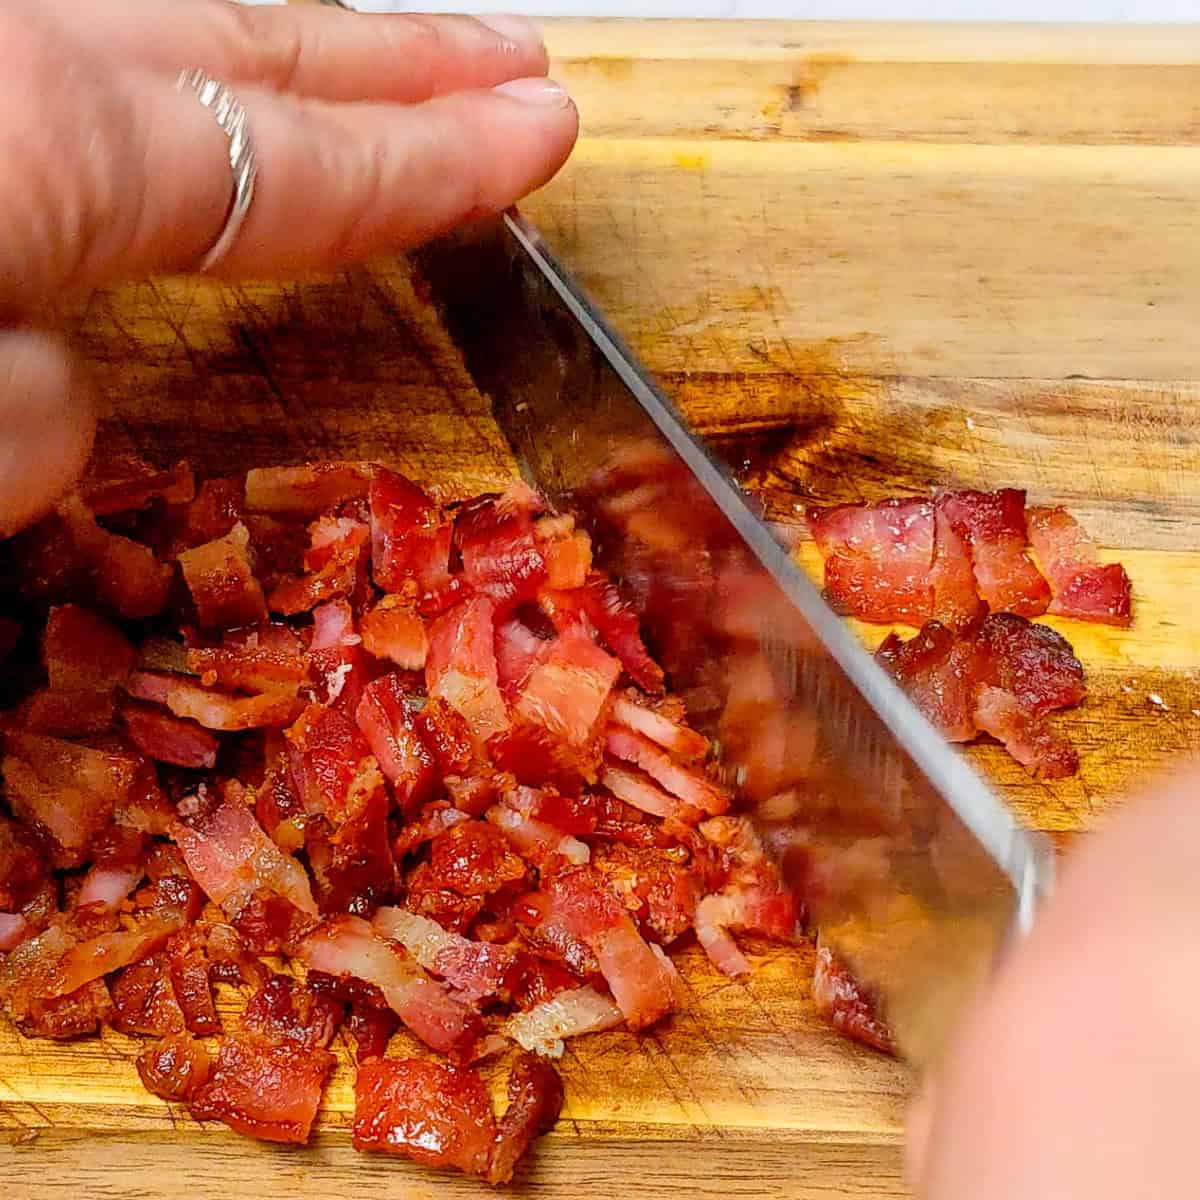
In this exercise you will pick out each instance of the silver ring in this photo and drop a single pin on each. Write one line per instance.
(231, 118)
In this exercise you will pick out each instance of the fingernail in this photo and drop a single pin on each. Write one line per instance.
(543, 92)
(514, 27)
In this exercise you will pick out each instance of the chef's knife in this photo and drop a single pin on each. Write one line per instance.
(914, 872)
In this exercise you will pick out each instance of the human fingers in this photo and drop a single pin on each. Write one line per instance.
(317, 52)
(46, 415)
(1076, 1074)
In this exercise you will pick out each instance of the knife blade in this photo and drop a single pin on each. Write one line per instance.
(911, 868)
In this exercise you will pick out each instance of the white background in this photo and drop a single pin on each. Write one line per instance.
(820, 10)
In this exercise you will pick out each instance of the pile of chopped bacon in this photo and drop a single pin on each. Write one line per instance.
(958, 565)
(416, 751)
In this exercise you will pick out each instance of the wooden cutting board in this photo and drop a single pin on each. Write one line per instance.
(864, 259)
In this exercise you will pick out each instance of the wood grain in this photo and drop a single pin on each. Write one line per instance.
(864, 259)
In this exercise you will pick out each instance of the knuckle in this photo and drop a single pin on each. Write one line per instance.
(263, 45)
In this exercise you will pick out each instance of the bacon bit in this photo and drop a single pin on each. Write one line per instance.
(841, 1000)
(136, 486)
(166, 738)
(306, 491)
(877, 558)
(681, 741)
(263, 1089)
(473, 859)
(567, 693)
(347, 946)
(83, 652)
(570, 814)
(174, 1068)
(544, 1027)
(956, 602)
(117, 870)
(23, 868)
(1027, 737)
(635, 788)
(127, 576)
(353, 864)
(938, 674)
(220, 577)
(13, 928)
(434, 819)
(393, 630)
(644, 985)
(437, 1115)
(461, 667)
(543, 844)
(1033, 662)
(144, 1000)
(337, 664)
(410, 536)
(212, 709)
(599, 605)
(268, 657)
(568, 560)
(332, 561)
(1082, 587)
(660, 892)
(71, 791)
(535, 1099)
(387, 720)
(285, 1011)
(216, 509)
(684, 782)
(518, 651)
(231, 858)
(500, 557)
(993, 525)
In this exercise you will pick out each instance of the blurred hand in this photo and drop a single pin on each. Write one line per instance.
(1077, 1074)
(372, 133)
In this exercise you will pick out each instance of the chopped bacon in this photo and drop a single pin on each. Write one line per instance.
(394, 630)
(599, 605)
(386, 718)
(434, 819)
(842, 1001)
(474, 859)
(1033, 662)
(543, 844)
(68, 790)
(83, 652)
(518, 651)
(263, 1089)
(939, 674)
(133, 484)
(877, 558)
(635, 788)
(671, 735)
(262, 658)
(337, 663)
(353, 864)
(567, 551)
(955, 599)
(535, 1099)
(410, 536)
(231, 858)
(992, 524)
(144, 1000)
(215, 510)
(461, 667)
(285, 1011)
(23, 867)
(347, 946)
(126, 575)
(657, 886)
(220, 576)
(644, 985)
(13, 928)
(221, 711)
(500, 557)
(117, 870)
(769, 910)
(174, 1068)
(1082, 586)
(1026, 736)
(475, 970)
(544, 1027)
(683, 782)
(438, 1115)
(306, 491)
(166, 738)
(332, 563)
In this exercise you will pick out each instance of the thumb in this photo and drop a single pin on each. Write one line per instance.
(46, 425)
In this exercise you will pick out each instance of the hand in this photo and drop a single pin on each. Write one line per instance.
(1077, 1074)
(372, 133)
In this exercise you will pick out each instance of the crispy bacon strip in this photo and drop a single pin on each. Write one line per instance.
(1083, 587)
(220, 576)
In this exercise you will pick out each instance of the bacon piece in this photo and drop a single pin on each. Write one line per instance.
(347, 946)
(71, 791)
(216, 508)
(1082, 586)
(686, 783)
(877, 557)
(841, 1000)
(500, 557)
(285, 1011)
(352, 862)
(475, 970)
(263, 1089)
(535, 1099)
(387, 720)
(434, 819)
(393, 630)
(133, 484)
(544, 1027)
(598, 604)
(461, 667)
(117, 870)
(410, 536)
(212, 709)
(518, 651)
(657, 886)
(635, 788)
(332, 563)
(767, 910)
(83, 652)
(438, 1115)
(220, 577)
(308, 490)
(1033, 662)
(672, 735)
(567, 551)
(473, 859)
(993, 525)
(144, 1000)
(231, 858)
(23, 868)
(567, 693)
(126, 575)
(544, 845)
(644, 984)
(174, 1068)
(956, 602)
(264, 658)
(1027, 737)
(13, 928)
(940, 674)
(166, 738)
